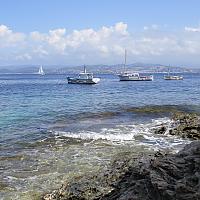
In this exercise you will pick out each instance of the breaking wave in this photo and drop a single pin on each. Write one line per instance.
(132, 134)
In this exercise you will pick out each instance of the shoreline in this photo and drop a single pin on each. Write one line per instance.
(150, 176)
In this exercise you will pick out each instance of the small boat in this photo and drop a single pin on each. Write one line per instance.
(126, 76)
(134, 77)
(83, 78)
(41, 72)
(169, 77)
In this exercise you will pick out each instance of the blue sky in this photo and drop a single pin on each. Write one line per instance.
(43, 15)
(97, 31)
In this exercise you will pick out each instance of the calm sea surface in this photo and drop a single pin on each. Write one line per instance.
(51, 131)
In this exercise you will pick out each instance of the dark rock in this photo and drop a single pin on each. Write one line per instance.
(161, 130)
(160, 177)
(184, 125)
(168, 178)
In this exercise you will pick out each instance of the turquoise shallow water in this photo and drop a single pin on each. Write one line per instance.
(46, 124)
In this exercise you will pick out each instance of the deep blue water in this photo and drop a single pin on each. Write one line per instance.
(31, 106)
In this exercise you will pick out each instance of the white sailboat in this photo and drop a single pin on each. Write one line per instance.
(169, 77)
(125, 76)
(41, 72)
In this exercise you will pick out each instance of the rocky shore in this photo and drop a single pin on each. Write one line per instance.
(184, 125)
(161, 176)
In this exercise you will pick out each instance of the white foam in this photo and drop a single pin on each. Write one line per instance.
(136, 134)
(118, 133)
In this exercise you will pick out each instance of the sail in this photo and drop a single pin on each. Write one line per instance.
(41, 72)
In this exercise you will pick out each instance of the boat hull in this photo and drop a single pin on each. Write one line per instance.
(141, 78)
(169, 78)
(82, 81)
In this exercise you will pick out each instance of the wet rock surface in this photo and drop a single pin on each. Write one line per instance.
(153, 177)
(94, 186)
(184, 125)
(163, 177)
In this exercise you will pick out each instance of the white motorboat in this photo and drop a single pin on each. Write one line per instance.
(126, 76)
(41, 72)
(83, 78)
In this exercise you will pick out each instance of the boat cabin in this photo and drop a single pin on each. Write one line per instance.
(85, 76)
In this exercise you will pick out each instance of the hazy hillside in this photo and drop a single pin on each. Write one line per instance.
(139, 67)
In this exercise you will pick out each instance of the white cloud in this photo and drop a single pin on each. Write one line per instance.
(36, 36)
(105, 45)
(121, 28)
(40, 51)
(192, 29)
(4, 30)
(152, 27)
(23, 57)
(9, 38)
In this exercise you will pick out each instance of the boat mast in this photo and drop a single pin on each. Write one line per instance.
(125, 61)
(168, 70)
(84, 69)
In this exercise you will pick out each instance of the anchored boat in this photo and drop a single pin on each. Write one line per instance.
(83, 78)
(126, 76)
(134, 77)
(169, 77)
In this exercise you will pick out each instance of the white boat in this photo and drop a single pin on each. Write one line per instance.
(126, 76)
(41, 72)
(83, 78)
(134, 77)
(169, 77)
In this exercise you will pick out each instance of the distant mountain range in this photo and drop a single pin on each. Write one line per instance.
(99, 69)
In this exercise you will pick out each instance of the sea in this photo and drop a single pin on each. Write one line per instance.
(52, 131)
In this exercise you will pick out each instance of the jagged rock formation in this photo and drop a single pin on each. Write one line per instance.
(166, 177)
(184, 125)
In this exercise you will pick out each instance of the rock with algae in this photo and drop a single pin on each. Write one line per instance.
(149, 177)
(184, 125)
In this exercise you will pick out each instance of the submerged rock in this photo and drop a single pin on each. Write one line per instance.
(162, 176)
(93, 186)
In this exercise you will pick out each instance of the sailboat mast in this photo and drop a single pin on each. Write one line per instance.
(125, 61)
(84, 69)
(168, 70)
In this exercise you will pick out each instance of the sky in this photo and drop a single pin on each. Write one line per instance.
(76, 32)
